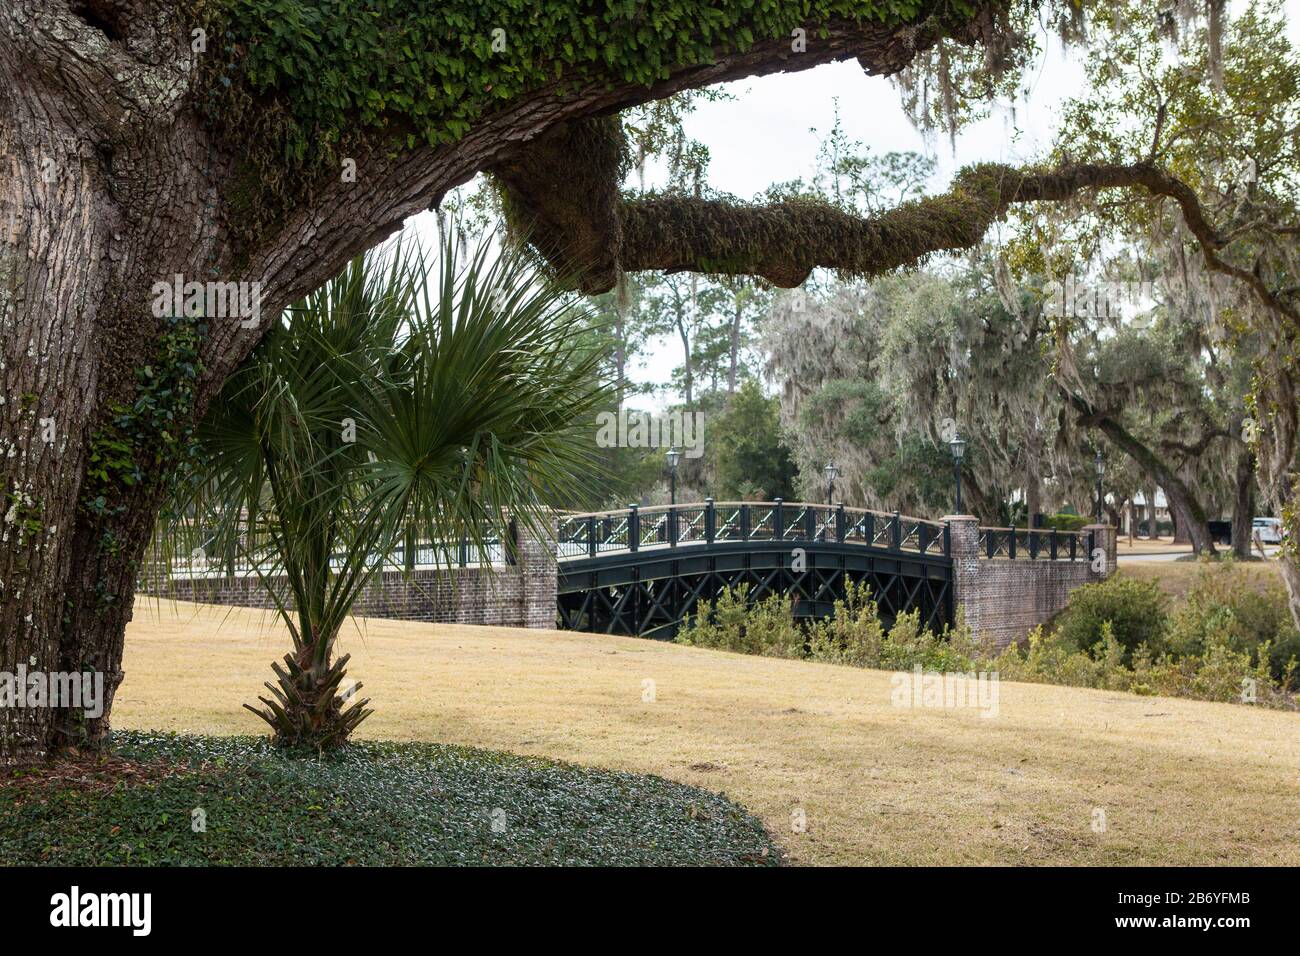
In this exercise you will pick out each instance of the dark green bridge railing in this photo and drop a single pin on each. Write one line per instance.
(636, 529)
(643, 571)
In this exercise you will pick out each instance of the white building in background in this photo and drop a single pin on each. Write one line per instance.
(1136, 513)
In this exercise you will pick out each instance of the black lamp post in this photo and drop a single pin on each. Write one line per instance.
(831, 472)
(1100, 465)
(674, 456)
(958, 448)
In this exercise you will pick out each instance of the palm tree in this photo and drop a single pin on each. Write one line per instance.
(404, 400)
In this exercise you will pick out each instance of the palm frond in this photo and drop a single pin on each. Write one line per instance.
(411, 397)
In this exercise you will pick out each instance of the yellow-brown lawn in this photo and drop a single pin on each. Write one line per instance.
(1059, 776)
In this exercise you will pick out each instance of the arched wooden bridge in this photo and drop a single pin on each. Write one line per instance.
(642, 571)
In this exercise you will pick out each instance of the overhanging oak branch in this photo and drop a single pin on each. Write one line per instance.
(784, 241)
(527, 133)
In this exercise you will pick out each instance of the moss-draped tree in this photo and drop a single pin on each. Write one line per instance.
(270, 141)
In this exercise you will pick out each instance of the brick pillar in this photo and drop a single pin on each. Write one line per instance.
(964, 534)
(1105, 538)
(537, 573)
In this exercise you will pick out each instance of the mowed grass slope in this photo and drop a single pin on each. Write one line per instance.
(1176, 578)
(1180, 782)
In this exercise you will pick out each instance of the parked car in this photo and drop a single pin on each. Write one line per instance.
(1268, 530)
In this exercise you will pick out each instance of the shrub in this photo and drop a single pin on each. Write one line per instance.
(853, 634)
(1220, 674)
(1211, 664)
(1049, 658)
(1066, 522)
(732, 623)
(1134, 609)
(909, 645)
(1224, 674)
(1221, 602)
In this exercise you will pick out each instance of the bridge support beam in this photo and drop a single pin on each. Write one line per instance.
(1003, 599)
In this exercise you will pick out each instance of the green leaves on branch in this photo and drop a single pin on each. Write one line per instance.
(305, 82)
(431, 70)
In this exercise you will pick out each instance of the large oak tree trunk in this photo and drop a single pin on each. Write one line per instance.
(1181, 535)
(89, 218)
(1190, 524)
(55, 271)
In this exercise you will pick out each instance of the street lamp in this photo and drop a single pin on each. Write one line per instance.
(674, 456)
(958, 448)
(1099, 464)
(831, 472)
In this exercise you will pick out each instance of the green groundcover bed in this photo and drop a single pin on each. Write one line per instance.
(163, 799)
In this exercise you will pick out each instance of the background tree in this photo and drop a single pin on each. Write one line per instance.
(879, 377)
(746, 449)
(680, 306)
(1216, 101)
(748, 301)
(1146, 391)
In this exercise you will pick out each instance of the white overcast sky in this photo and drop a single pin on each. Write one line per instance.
(769, 133)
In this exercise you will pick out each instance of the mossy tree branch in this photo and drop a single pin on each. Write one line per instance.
(529, 143)
(784, 241)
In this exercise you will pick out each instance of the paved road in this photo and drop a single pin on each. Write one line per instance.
(1270, 550)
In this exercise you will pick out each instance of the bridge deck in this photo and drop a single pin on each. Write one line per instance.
(645, 570)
